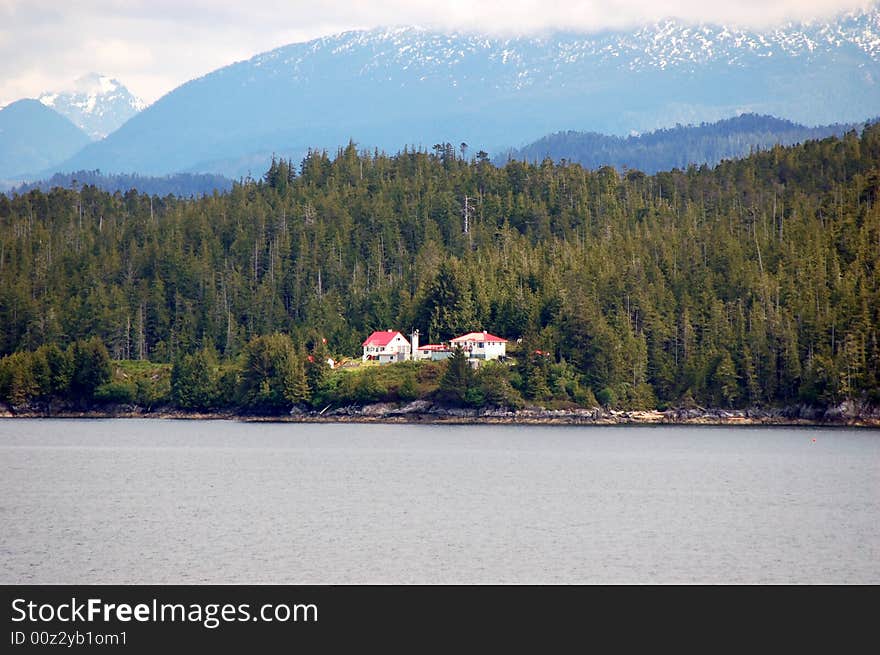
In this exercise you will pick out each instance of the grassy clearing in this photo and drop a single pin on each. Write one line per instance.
(137, 382)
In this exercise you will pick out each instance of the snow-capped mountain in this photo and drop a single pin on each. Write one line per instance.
(392, 87)
(416, 52)
(97, 104)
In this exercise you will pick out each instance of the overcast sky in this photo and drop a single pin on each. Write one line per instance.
(152, 46)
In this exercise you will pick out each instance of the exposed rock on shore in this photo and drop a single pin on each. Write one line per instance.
(424, 411)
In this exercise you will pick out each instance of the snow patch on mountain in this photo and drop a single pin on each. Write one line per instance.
(96, 103)
(668, 44)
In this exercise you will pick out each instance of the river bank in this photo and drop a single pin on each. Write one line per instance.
(421, 411)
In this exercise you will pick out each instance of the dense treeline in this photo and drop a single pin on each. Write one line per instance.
(75, 373)
(271, 376)
(753, 283)
(675, 147)
(180, 184)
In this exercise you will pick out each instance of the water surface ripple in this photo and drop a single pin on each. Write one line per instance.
(159, 501)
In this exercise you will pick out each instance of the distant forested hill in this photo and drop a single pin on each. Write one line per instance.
(34, 137)
(181, 184)
(756, 282)
(677, 147)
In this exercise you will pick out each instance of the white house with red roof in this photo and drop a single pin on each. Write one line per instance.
(386, 346)
(481, 345)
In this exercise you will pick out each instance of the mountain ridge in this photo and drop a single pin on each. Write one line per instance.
(390, 87)
(676, 147)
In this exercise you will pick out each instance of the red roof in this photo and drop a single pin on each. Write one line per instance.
(381, 338)
(478, 337)
(433, 347)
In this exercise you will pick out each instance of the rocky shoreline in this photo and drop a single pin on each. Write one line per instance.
(423, 411)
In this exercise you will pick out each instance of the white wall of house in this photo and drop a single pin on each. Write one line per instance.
(484, 349)
(436, 355)
(397, 350)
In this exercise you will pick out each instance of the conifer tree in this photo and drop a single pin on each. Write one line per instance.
(458, 379)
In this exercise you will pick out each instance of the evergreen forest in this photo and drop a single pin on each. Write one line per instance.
(754, 283)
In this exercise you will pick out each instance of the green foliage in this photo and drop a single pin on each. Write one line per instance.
(533, 367)
(429, 373)
(50, 372)
(60, 369)
(194, 383)
(457, 384)
(228, 384)
(273, 377)
(402, 381)
(316, 370)
(493, 382)
(821, 384)
(408, 390)
(91, 368)
(448, 307)
(152, 381)
(607, 397)
(298, 390)
(726, 380)
(17, 382)
(588, 399)
(117, 392)
(751, 283)
(368, 389)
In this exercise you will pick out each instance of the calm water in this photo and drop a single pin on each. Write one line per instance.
(150, 501)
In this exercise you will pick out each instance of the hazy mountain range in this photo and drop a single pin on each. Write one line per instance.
(659, 150)
(179, 184)
(393, 87)
(677, 147)
(36, 135)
